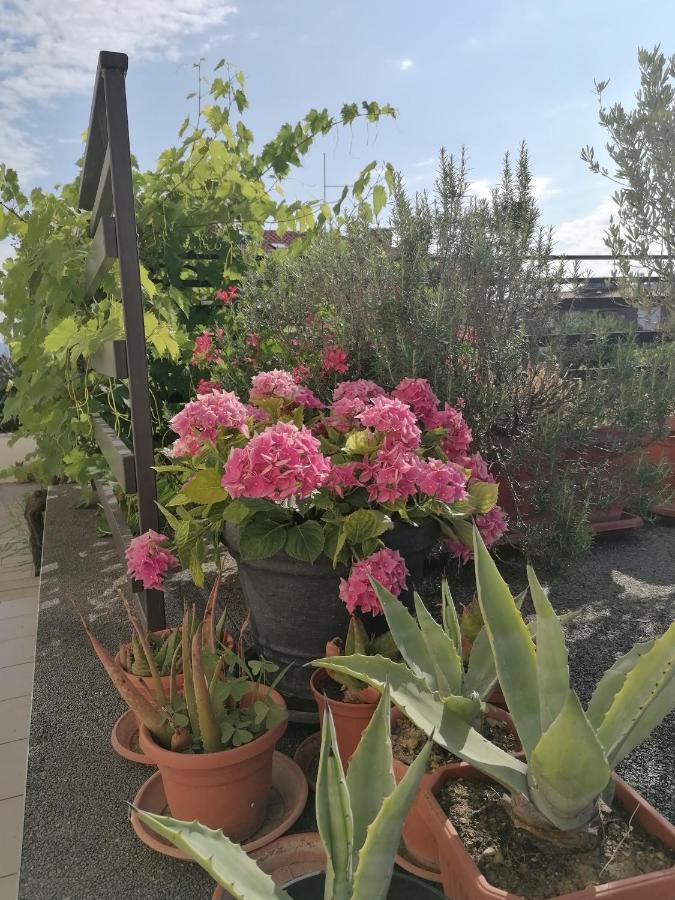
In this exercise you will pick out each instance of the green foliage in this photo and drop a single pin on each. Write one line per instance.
(359, 816)
(201, 213)
(641, 146)
(7, 375)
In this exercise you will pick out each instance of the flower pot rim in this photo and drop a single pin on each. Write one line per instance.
(180, 760)
(477, 887)
(349, 710)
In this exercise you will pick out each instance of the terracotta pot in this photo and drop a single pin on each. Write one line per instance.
(312, 887)
(296, 609)
(419, 839)
(288, 858)
(498, 699)
(462, 878)
(350, 718)
(145, 685)
(228, 789)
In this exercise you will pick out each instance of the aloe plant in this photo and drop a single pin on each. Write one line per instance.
(133, 656)
(570, 752)
(214, 711)
(359, 816)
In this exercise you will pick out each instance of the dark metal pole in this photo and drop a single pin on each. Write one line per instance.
(132, 302)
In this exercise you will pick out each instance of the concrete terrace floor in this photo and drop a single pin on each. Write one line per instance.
(18, 629)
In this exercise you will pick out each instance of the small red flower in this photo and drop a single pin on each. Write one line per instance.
(227, 295)
(334, 359)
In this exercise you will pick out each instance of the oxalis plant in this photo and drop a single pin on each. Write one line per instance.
(224, 702)
(359, 817)
(570, 752)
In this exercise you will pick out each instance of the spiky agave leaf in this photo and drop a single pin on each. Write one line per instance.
(334, 814)
(512, 646)
(370, 777)
(158, 687)
(646, 696)
(188, 681)
(224, 860)
(553, 676)
(448, 719)
(209, 620)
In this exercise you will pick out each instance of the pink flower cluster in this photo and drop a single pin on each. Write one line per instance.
(334, 359)
(281, 462)
(417, 393)
(387, 567)
(444, 481)
(492, 525)
(205, 349)
(227, 295)
(202, 420)
(359, 389)
(275, 383)
(394, 419)
(148, 560)
(458, 434)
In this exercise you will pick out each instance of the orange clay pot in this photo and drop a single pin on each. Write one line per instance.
(462, 879)
(350, 718)
(419, 839)
(228, 789)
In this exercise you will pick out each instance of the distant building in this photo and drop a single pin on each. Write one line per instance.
(602, 296)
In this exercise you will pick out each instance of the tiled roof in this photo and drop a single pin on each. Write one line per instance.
(274, 241)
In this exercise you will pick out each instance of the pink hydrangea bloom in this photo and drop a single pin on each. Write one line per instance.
(185, 446)
(394, 419)
(148, 560)
(203, 419)
(343, 413)
(308, 399)
(391, 476)
(334, 359)
(275, 383)
(343, 476)
(492, 525)
(359, 389)
(440, 480)
(458, 434)
(417, 393)
(386, 566)
(478, 466)
(281, 462)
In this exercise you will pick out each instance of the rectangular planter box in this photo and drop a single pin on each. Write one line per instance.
(462, 879)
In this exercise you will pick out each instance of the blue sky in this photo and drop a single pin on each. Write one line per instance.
(486, 74)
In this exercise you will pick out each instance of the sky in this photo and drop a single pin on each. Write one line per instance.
(485, 75)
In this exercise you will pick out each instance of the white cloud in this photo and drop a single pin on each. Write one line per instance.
(585, 234)
(406, 64)
(49, 51)
(425, 163)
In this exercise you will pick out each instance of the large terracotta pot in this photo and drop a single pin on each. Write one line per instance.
(350, 719)
(228, 789)
(461, 877)
(295, 607)
(419, 838)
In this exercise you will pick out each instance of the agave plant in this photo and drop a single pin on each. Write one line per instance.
(358, 641)
(359, 816)
(221, 704)
(570, 752)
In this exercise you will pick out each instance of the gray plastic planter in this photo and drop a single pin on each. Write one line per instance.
(295, 607)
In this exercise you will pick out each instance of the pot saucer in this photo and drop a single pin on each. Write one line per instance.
(307, 757)
(287, 858)
(287, 800)
(427, 869)
(124, 739)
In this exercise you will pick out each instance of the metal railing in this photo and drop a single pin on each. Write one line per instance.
(106, 189)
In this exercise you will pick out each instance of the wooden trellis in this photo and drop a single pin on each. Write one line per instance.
(106, 190)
